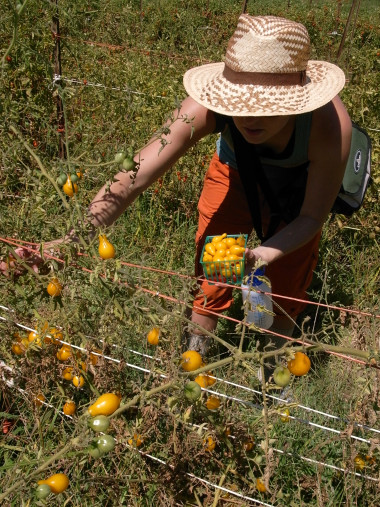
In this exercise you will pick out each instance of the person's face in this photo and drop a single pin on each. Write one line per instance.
(268, 130)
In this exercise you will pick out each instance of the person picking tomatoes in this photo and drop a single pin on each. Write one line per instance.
(269, 99)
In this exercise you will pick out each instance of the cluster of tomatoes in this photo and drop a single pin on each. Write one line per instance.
(68, 182)
(223, 258)
(99, 411)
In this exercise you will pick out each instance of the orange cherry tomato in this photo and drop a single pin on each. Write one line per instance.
(300, 365)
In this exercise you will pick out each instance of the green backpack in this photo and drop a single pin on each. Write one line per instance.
(357, 176)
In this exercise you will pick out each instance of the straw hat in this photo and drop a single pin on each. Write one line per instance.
(267, 72)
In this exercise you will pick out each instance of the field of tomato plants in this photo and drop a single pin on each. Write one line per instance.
(97, 404)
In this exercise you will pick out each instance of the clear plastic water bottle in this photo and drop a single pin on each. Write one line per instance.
(263, 319)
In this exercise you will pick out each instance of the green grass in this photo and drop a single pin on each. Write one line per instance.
(141, 81)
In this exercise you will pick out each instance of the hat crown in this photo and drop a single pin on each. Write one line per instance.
(268, 44)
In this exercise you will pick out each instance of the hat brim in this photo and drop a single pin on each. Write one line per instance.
(208, 86)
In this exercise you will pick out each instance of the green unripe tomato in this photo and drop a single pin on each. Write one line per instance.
(94, 451)
(119, 157)
(43, 491)
(106, 443)
(99, 423)
(74, 177)
(281, 376)
(193, 391)
(61, 180)
(129, 164)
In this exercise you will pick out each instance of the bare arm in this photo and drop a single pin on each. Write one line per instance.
(192, 122)
(328, 152)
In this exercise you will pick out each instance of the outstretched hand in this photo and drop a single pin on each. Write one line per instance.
(16, 264)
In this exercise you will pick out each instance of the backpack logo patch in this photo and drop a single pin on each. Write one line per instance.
(357, 161)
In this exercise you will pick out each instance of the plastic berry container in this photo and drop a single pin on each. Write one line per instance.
(227, 268)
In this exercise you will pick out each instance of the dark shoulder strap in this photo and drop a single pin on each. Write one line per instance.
(251, 174)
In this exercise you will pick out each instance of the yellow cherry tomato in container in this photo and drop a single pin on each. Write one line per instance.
(54, 288)
(300, 365)
(191, 360)
(106, 249)
(57, 482)
(69, 187)
(210, 249)
(106, 404)
(153, 336)
(218, 239)
(69, 408)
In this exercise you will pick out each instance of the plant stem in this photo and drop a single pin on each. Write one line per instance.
(41, 166)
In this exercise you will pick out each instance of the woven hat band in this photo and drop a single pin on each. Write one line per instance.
(265, 78)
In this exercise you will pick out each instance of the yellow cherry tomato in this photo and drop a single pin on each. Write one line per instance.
(191, 360)
(64, 353)
(240, 241)
(136, 441)
(260, 486)
(69, 187)
(67, 373)
(78, 381)
(18, 349)
(300, 365)
(94, 358)
(218, 239)
(39, 400)
(54, 288)
(35, 338)
(55, 336)
(210, 379)
(201, 380)
(212, 403)
(230, 241)
(69, 408)
(207, 257)
(210, 249)
(57, 483)
(106, 404)
(153, 336)
(209, 443)
(106, 249)
(237, 250)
